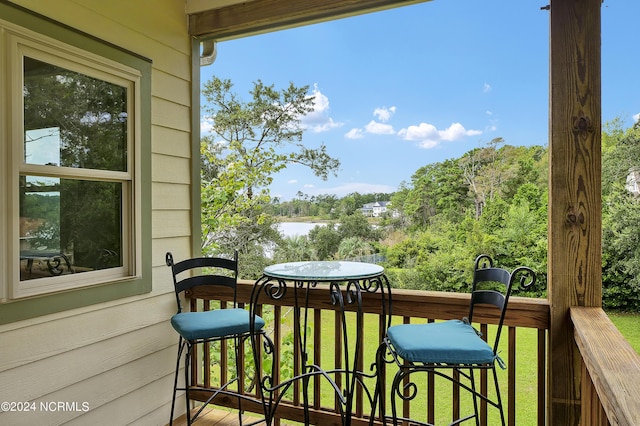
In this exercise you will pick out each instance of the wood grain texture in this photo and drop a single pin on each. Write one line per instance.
(613, 368)
(574, 260)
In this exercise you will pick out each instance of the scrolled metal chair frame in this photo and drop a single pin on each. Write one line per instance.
(386, 354)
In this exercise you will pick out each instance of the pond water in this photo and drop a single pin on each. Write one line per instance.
(290, 229)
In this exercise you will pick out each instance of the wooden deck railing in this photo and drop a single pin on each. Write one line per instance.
(524, 314)
(610, 384)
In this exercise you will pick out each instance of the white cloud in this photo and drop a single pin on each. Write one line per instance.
(206, 125)
(486, 88)
(457, 131)
(319, 120)
(383, 113)
(430, 137)
(292, 181)
(636, 117)
(488, 112)
(379, 128)
(354, 133)
(419, 132)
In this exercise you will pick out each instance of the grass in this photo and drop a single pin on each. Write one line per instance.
(629, 327)
(525, 366)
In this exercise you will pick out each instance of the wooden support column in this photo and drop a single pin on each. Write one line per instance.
(575, 216)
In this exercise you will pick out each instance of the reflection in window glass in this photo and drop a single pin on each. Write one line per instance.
(73, 120)
(72, 224)
(69, 226)
(42, 146)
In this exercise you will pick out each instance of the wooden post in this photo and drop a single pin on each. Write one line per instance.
(575, 215)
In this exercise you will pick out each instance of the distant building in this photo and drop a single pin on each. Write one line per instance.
(633, 181)
(375, 209)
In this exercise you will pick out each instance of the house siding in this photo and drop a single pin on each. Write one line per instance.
(117, 357)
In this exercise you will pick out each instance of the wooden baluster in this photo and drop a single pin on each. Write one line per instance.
(224, 352)
(484, 388)
(317, 354)
(431, 394)
(406, 410)
(511, 374)
(542, 371)
(337, 333)
(277, 342)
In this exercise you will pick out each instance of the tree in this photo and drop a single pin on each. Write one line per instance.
(252, 141)
(620, 219)
(294, 249)
(325, 241)
(436, 189)
(483, 173)
(621, 251)
(353, 248)
(356, 225)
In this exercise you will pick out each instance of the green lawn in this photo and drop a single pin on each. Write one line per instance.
(629, 326)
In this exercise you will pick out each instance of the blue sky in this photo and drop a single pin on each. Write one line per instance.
(403, 88)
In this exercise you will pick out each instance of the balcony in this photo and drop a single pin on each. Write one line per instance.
(524, 315)
(610, 393)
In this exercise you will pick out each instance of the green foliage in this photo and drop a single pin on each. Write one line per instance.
(254, 140)
(621, 252)
(356, 225)
(491, 201)
(294, 249)
(353, 248)
(620, 220)
(324, 206)
(325, 240)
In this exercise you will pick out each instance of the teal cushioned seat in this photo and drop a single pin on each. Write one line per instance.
(211, 324)
(450, 342)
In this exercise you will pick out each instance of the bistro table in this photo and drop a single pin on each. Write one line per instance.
(346, 282)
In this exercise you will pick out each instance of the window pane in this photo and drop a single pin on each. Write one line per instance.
(69, 226)
(73, 120)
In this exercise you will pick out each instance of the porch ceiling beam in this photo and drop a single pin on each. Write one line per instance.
(262, 16)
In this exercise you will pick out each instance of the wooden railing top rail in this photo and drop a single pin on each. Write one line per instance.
(614, 366)
(522, 312)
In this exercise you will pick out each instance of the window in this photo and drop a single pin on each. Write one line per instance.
(77, 114)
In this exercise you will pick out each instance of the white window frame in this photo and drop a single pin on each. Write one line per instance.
(19, 42)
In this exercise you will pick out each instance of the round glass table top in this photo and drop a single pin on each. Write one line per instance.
(324, 270)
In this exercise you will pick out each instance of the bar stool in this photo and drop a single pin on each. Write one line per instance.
(197, 328)
(451, 349)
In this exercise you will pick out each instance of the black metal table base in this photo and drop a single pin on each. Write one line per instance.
(346, 296)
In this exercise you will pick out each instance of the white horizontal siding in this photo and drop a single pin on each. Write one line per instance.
(171, 142)
(170, 196)
(170, 169)
(118, 357)
(171, 223)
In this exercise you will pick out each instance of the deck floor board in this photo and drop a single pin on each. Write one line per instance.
(212, 416)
